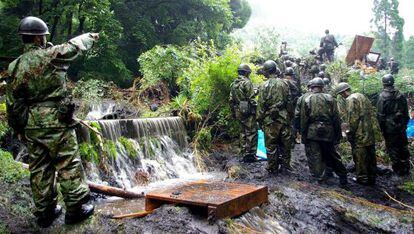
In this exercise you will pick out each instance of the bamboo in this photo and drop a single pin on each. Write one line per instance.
(133, 215)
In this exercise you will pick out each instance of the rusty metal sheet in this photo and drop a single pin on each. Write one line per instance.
(361, 46)
(214, 199)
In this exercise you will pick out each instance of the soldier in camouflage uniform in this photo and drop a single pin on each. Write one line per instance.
(393, 119)
(38, 109)
(242, 99)
(360, 132)
(328, 44)
(273, 117)
(320, 128)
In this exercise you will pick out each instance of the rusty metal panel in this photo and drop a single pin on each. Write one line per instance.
(361, 46)
(215, 199)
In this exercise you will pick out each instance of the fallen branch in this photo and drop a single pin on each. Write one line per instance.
(399, 202)
(106, 190)
(112, 191)
(133, 215)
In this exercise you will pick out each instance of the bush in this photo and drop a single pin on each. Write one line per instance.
(10, 170)
(90, 91)
(162, 64)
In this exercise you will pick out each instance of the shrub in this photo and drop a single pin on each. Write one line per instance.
(10, 170)
(162, 64)
(89, 153)
(129, 147)
(90, 91)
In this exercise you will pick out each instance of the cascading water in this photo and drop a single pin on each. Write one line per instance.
(159, 146)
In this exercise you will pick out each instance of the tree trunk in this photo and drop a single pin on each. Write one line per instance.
(112, 191)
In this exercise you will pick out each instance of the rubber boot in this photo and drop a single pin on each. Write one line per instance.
(46, 219)
(79, 214)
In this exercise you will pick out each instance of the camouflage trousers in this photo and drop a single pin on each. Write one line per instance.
(54, 159)
(321, 155)
(399, 154)
(365, 163)
(278, 139)
(248, 136)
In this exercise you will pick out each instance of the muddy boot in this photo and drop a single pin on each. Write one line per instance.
(46, 219)
(343, 181)
(249, 159)
(78, 215)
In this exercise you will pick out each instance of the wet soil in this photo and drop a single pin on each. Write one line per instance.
(296, 205)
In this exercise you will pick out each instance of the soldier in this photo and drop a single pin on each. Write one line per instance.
(393, 119)
(39, 109)
(360, 133)
(242, 99)
(328, 87)
(328, 43)
(323, 68)
(394, 66)
(320, 128)
(273, 117)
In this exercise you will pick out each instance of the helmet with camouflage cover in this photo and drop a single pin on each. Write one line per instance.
(288, 63)
(270, 67)
(327, 81)
(321, 74)
(388, 80)
(33, 26)
(244, 69)
(289, 71)
(316, 82)
(342, 87)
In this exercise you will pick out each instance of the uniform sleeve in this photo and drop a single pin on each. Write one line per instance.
(380, 112)
(261, 105)
(72, 49)
(296, 121)
(336, 121)
(321, 43)
(334, 41)
(353, 114)
(404, 110)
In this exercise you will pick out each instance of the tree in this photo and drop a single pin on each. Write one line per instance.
(389, 28)
(409, 53)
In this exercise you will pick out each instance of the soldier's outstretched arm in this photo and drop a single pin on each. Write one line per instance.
(71, 50)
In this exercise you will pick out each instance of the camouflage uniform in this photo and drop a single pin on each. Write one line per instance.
(328, 43)
(320, 128)
(393, 119)
(361, 135)
(273, 115)
(38, 81)
(242, 93)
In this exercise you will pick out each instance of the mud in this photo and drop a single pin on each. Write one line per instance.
(296, 205)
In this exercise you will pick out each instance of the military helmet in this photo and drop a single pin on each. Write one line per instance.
(322, 67)
(342, 87)
(321, 74)
(288, 63)
(388, 80)
(327, 81)
(327, 31)
(244, 68)
(33, 26)
(316, 82)
(270, 66)
(289, 71)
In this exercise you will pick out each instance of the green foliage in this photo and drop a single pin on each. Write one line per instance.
(89, 91)
(389, 28)
(338, 71)
(110, 149)
(367, 84)
(4, 129)
(129, 147)
(409, 186)
(162, 64)
(203, 138)
(10, 170)
(409, 53)
(89, 153)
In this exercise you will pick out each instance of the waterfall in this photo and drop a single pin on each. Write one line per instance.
(159, 146)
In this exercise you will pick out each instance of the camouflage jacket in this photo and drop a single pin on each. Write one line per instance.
(242, 93)
(295, 93)
(298, 108)
(328, 42)
(319, 118)
(392, 111)
(274, 102)
(38, 80)
(359, 117)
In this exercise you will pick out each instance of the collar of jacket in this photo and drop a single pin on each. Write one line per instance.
(29, 47)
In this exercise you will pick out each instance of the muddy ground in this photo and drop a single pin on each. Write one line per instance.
(296, 205)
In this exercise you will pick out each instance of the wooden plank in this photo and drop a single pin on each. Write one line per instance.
(217, 199)
(361, 46)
